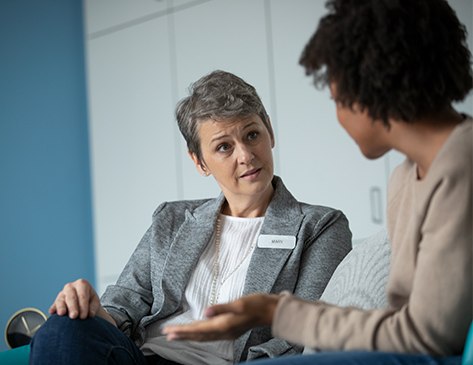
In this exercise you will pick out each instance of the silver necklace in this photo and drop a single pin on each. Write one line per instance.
(247, 253)
(216, 268)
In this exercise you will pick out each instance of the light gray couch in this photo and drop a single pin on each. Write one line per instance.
(360, 279)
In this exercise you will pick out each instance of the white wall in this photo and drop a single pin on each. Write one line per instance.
(142, 56)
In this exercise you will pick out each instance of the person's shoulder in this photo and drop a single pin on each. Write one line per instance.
(318, 212)
(462, 138)
(321, 218)
(455, 158)
(286, 197)
(179, 206)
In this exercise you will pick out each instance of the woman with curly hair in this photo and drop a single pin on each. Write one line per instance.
(394, 68)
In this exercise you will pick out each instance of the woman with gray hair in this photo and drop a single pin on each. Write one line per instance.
(254, 237)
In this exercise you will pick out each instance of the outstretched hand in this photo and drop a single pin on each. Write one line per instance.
(228, 321)
(79, 300)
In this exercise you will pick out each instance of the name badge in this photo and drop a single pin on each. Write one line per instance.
(276, 241)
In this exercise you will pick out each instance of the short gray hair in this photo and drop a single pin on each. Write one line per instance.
(219, 96)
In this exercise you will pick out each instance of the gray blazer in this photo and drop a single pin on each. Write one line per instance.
(153, 282)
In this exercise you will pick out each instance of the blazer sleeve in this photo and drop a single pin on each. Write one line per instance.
(131, 298)
(324, 249)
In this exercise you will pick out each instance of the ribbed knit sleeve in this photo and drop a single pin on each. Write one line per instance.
(430, 284)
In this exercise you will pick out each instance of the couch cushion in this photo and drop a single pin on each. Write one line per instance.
(360, 279)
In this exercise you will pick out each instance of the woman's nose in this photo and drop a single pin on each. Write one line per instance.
(245, 154)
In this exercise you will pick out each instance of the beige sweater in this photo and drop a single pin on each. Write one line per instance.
(430, 282)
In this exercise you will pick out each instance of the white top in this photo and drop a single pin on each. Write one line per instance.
(237, 243)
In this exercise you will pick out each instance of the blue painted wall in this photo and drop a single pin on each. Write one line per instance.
(45, 196)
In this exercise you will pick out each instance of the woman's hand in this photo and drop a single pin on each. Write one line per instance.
(228, 321)
(79, 300)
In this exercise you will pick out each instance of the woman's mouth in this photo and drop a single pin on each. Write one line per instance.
(251, 174)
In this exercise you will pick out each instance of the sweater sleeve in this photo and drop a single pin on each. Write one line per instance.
(436, 311)
(435, 319)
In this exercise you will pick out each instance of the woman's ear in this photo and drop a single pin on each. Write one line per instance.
(201, 169)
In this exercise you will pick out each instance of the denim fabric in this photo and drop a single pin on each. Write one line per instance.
(360, 358)
(65, 341)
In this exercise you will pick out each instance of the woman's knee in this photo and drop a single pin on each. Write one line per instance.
(51, 339)
(55, 326)
(61, 332)
(62, 340)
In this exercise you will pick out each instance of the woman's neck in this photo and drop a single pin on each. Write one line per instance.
(248, 206)
(422, 140)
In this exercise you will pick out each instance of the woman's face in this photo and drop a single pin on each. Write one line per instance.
(238, 153)
(369, 135)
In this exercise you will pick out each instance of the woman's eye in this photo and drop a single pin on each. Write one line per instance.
(252, 136)
(224, 147)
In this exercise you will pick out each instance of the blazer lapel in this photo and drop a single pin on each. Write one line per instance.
(185, 250)
(283, 217)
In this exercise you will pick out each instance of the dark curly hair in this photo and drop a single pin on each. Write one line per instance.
(400, 59)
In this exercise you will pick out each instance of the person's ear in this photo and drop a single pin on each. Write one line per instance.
(199, 165)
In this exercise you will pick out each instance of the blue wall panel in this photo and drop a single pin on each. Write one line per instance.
(45, 199)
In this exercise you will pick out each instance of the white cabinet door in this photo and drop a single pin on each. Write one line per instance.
(228, 35)
(318, 160)
(132, 138)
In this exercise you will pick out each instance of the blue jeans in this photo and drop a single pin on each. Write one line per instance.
(65, 341)
(360, 358)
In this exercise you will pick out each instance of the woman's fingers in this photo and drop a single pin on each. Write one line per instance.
(84, 294)
(52, 309)
(218, 309)
(228, 321)
(94, 304)
(223, 326)
(216, 328)
(77, 299)
(71, 300)
(220, 325)
(59, 305)
(258, 308)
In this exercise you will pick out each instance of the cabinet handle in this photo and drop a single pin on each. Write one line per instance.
(376, 205)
